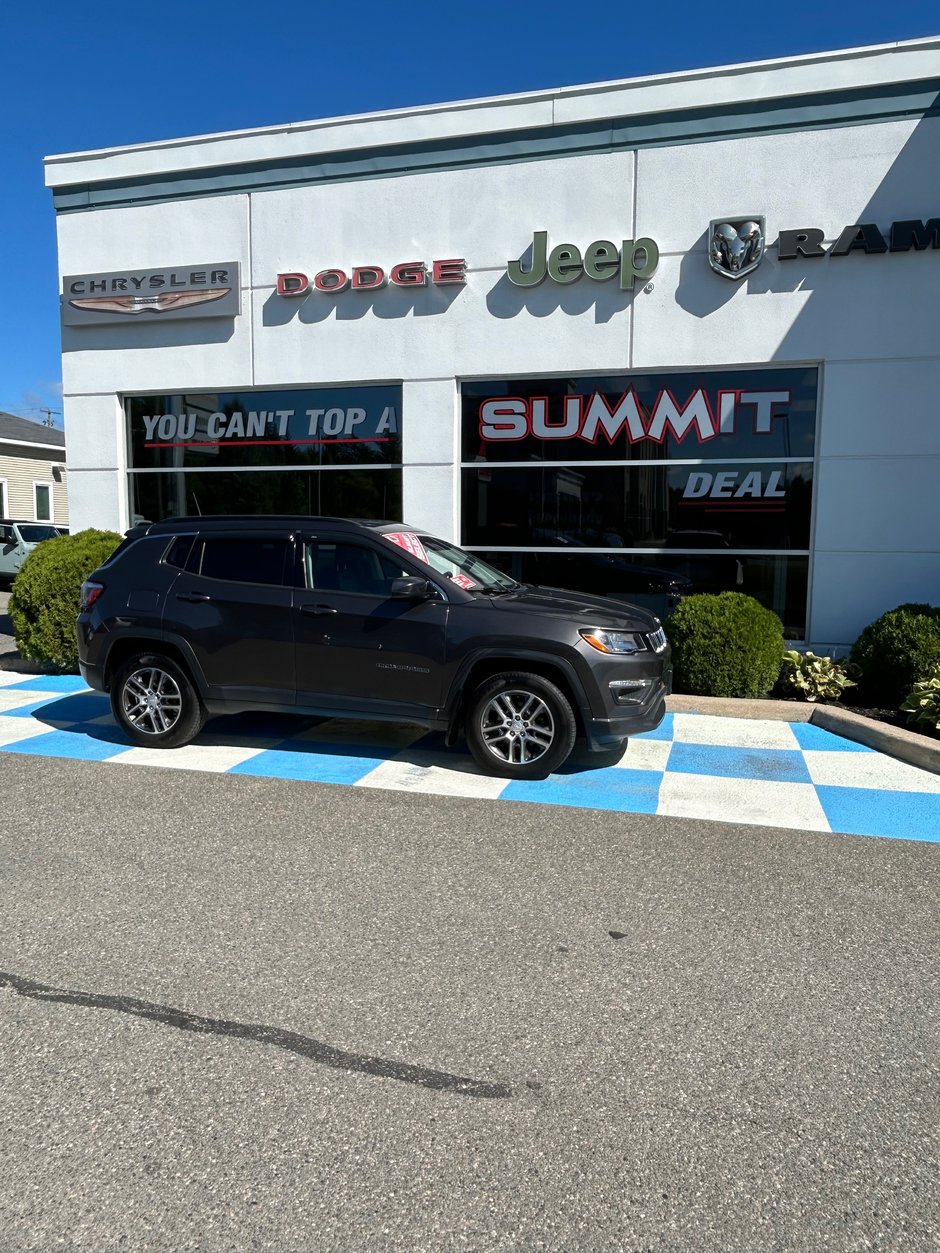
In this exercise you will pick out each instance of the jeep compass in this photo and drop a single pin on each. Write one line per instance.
(371, 620)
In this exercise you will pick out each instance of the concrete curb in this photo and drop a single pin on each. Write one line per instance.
(908, 746)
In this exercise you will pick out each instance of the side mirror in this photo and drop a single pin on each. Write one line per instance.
(411, 588)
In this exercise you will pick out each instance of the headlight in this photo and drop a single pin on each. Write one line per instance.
(613, 641)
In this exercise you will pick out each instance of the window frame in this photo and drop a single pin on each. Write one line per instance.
(201, 539)
(51, 488)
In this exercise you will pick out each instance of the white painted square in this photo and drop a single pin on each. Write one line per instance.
(752, 801)
(645, 755)
(422, 774)
(213, 758)
(11, 676)
(12, 699)
(14, 729)
(732, 732)
(869, 770)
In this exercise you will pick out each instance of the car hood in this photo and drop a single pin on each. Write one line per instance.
(590, 610)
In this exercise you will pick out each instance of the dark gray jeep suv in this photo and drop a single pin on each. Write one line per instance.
(372, 620)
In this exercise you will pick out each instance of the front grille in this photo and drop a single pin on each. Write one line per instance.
(657, 640)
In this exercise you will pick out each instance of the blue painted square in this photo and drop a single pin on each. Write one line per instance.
(777, 765)
(808, 736)
(894, 815)
(70, 744)
(663, 731)
(64, 684)
(82, 707)
(315, 762)
(628, 791)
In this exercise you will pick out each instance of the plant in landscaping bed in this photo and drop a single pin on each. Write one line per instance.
(899, 649)
(724, 645)
(811, 678)
(46, 594)
(923, 704)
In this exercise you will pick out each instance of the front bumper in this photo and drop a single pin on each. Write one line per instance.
(602, 733)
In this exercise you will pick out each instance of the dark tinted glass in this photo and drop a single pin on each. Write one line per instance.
(242, 560)
(339, 567)
(331, 493)
(355, 426)
(682, 506)
(654, 580)
(710, 414)
(178, 551)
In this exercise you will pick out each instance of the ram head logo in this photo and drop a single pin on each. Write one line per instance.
(735, 245)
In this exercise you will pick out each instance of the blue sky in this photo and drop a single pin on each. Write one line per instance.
(78, 76)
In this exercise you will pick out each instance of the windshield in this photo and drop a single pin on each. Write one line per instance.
(462, 568)
(36, 534)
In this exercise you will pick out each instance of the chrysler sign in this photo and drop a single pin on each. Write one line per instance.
(181, 291)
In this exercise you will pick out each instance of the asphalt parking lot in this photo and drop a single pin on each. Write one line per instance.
(253, 1013)
(242, 1011)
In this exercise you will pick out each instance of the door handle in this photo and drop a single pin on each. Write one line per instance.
(317, 611)
(194, 598)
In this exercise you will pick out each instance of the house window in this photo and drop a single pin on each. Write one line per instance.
(42, 502)
(3, 498)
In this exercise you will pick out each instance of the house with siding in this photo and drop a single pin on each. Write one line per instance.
(32, 472)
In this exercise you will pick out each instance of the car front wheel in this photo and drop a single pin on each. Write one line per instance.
(520, 726)
(155, 702)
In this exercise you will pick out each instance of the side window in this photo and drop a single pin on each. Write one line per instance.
(237, 560)
(42, 501)
(7, 535)
(344, 567)
(178, 552)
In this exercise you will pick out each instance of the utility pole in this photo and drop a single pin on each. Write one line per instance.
(51, 415)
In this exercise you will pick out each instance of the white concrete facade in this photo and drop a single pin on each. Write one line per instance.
(868, 321)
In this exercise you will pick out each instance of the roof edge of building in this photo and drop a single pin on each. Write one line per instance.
(725, 86)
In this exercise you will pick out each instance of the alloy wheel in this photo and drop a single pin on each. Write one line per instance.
(517, 727)
(152, 701)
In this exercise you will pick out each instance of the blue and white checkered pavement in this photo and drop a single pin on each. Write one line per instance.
(777, 774)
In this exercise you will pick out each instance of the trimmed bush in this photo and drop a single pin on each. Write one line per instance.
(46, 594)
(899, 649)
(807, 677)
(724, 645)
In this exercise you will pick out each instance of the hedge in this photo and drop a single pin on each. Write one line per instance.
(897, 650)
(724, 645)
(46, 594)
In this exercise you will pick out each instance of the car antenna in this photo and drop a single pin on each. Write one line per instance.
(196, 503)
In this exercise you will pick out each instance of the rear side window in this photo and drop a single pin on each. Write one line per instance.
(178, 552)
(238, 560)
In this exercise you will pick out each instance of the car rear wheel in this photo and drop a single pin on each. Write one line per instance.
(520, 726)
(155, 702)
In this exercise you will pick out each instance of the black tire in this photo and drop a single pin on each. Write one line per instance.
(154, 701)
(496, 734)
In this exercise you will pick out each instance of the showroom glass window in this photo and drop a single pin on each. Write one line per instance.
(321, 451)
(641, 487)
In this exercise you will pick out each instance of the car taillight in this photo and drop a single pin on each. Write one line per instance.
(90, 593)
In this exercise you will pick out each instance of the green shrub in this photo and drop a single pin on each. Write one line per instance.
(808, 677)
(923, 704)
(899, 649)
(724, 645)
(46, 594)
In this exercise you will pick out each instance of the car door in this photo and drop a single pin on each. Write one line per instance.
(357, 647)
(232, 606)
(10, 556)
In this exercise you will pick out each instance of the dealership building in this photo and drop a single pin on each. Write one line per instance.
(662, 334)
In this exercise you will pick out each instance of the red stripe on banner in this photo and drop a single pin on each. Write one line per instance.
(241, 443)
